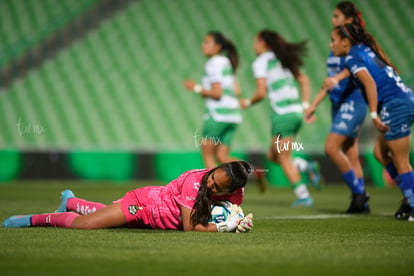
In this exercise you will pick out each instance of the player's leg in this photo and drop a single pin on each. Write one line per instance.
(223, 142)
(351, 151)
(381, 153)
(353, 155)
(69, 202)
(63, 220)
(356, 116)
(381, 150)
(400, 149)
(360, 198)
(223, 154)
(284, 129)
(286, 161)
(343, 152)
(292, 173)
(395, 144)
(311, 169)
(272, 157)
(272, 153)
(335, 147)
(108, 217)
(301, 164)
(62, 216)
(209, 143)
(208, 151)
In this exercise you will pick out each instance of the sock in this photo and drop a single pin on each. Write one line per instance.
(392, 171)
(352, 182)
(361, 184)
(300, 190)
(300, 163)
(407, 187)
(83, 207)
(63, 220)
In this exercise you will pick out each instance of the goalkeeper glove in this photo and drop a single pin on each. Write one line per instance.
(229, 225)
(246, 224)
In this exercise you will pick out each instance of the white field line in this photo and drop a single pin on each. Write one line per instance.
(308, 217)
(322, 216)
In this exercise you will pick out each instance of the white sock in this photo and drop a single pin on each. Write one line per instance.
(300, 163)
(301, 191)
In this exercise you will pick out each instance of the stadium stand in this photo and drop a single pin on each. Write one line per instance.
(24, 24)
(118, 89)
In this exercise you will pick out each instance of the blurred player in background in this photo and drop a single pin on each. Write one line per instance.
(221, 91)
(310, 170)
(276, 69)
(385, 92)
(348, 113)
(183, 204)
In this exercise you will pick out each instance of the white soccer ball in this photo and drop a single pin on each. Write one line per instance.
(221, 211)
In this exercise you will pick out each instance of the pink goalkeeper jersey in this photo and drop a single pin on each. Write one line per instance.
(161, 205)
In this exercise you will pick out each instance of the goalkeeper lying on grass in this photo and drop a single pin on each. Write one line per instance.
(183, 204)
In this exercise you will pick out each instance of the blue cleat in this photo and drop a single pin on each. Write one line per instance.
(17, 221)
(303, 202)
(65, 195)
(314, 174)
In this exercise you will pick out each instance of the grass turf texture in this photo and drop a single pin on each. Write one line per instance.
(285, 241)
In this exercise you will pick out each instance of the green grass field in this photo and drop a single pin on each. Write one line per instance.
(285, 241)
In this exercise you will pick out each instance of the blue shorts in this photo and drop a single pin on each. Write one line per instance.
(348, 118)
(398, 114)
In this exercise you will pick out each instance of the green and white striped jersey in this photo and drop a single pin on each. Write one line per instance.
(227, 109)
(282, 91)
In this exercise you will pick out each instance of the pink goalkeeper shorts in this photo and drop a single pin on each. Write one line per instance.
(135, 215)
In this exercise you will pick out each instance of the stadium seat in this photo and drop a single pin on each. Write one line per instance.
(119, 87)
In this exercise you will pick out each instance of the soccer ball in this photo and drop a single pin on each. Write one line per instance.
(219, 213)
(222, 210)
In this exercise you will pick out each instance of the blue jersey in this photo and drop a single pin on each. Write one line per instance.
(345, 90)
(388, 82)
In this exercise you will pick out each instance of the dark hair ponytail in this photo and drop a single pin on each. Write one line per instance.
(201, 212)
(238, 173)
(227, 47)
(350, 11)
(356, 34)
(289, 54)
